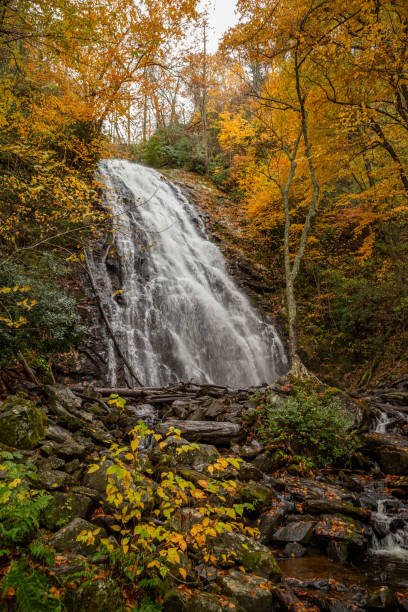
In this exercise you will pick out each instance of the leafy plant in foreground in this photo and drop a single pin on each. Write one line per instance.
(148, 511)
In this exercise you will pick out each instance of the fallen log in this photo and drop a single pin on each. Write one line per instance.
(210, 432)
(164, 399)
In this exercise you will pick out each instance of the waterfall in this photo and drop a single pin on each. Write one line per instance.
(176, 311)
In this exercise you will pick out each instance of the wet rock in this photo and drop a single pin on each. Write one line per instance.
(381, 599)
(272, 519)
(341, 528)
(63, 508)
(73, 466)
(251, 592)
(208, 410)
(391, 452)
(62, 395)
(232, 548)
(100, 595)
(22, 424)
(143, 411)
(50, 463)
(197, 457)
(57, 434)
(294, 549)
(338, 551)
(248, 451)
(247, 472)
(295, 532)
(265, 462)
(316, 506)
(98, 480)
(199, 602)
(71, 450)
(258, 494)
(51, 479)
(288, 600)
(65, 540)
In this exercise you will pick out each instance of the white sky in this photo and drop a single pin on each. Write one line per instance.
(222, 17)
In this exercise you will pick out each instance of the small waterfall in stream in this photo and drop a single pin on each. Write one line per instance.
(178, 314)
(390, 519)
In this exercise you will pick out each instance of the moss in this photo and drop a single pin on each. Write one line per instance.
(22, 424)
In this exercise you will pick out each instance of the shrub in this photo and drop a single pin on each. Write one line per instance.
(151, 543)
(36, 313)
(310, 424)
(26, 581)
(172, 146)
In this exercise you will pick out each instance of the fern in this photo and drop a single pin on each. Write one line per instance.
(147, 605)
(20, 506)
(42, 553)
(31, 589)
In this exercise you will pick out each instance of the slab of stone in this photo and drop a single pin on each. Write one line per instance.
(301, 532)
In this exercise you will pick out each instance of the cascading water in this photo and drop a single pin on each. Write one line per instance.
(391, 527)
(179, 314)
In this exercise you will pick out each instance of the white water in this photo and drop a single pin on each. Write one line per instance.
(181, 315)
(395, 543)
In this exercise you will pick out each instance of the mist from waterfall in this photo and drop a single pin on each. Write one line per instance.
(179, 314)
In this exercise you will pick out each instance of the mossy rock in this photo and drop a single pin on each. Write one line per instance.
(22, 424)
(63, 508)
(99, 596)
(237, 549)
(258, 494)
(66, 539)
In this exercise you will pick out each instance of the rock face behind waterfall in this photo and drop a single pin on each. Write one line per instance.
(174, 308)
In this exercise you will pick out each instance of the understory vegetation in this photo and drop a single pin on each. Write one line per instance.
(311, 428)
(149, 504)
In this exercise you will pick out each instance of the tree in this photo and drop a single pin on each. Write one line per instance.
(328, 134)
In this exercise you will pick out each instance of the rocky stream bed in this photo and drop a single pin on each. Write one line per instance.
(340, 538)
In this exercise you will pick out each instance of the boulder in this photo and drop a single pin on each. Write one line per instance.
(301, 532)
(294, 550)
(258, 494)
(57, 434)
(199, 602)
(338, 551)
(247, 472)
(22, 424)
(391, 452)
(62, 395)
(317, 506)
(63, 508)
(70, 449)
(99, 595)
(197, 457)
(251, 592)
(50, 463)
(382, 598)
(235, 548)
(272, 519)
(51, 479)
(98, 480)
(341, 528)
(66, 539)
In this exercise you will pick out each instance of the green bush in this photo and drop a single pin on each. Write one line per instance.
(172, 146)
(36, 313)
(311, 425)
